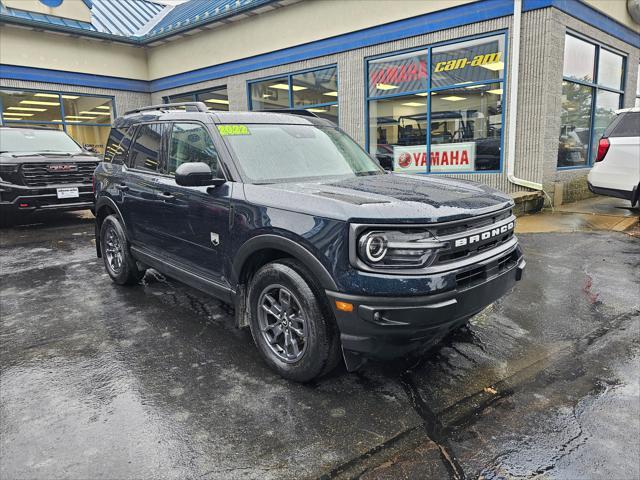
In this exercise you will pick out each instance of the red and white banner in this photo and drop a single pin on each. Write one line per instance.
(445, 157)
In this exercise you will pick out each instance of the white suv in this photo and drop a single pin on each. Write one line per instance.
(616, 172)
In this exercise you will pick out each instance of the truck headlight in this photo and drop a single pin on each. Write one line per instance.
(397, 248)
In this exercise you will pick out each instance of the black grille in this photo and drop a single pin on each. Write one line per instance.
(472, 223)
(477, 275)
(38, 174)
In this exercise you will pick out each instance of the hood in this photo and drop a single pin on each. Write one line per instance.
(46, 157)
(383, 198)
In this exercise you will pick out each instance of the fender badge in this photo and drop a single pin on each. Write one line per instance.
(215, 239)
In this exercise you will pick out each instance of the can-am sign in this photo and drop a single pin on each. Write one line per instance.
(445, 157)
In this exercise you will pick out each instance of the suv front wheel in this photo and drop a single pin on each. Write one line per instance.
(290, 324)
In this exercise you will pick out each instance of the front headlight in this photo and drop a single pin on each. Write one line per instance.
(397, 248)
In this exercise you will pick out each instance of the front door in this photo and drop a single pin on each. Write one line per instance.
(196, 217)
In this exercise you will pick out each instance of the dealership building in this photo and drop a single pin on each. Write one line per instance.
(511, 93)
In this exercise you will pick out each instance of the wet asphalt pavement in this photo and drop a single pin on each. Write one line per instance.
(153, 381)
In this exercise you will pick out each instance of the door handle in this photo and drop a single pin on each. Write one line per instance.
(166, 196)
(122, 187)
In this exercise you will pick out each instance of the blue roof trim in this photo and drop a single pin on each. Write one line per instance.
(14, 72)
(456, 16)
(587, 14)
(431, 22)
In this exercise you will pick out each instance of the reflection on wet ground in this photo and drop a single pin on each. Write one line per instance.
(99, 381)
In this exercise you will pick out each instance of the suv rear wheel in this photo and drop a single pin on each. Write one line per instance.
(290, 325)
(120, 265)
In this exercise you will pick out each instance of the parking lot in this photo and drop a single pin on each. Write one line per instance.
(153, 381)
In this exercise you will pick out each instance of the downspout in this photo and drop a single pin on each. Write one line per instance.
(513, 100)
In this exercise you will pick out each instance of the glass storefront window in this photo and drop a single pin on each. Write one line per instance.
(399, 126)
(270, 94)
(315, 91)
(90, 137)
(610, 69)
(30, 106)
(87, 119)
(606, 105)
(480, 60)
(315, 88)
(87, 110)
(398, 74)
(466, 129)
(583, 119)
(217, 99)
(448, 123)
(579, 59)
(575, 125)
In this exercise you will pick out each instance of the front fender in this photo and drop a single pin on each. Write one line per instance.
(269, 241)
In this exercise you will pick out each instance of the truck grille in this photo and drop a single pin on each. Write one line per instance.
(461, 229)
(39, 174)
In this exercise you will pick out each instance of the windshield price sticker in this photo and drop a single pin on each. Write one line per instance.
(227, 130)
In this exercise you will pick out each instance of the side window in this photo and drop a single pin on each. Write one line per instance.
(145, 150)
(118, 144)
(191, 142)
(628, 126)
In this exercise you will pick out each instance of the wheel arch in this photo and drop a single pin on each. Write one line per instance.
(105, 206)
(263, 249)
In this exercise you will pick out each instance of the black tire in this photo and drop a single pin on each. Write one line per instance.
(118, 262)
(320, 348)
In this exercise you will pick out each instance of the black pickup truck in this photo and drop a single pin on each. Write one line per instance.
(43, 169)
(324, 254)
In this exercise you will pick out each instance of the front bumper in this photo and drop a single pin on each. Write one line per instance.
(23, 199)
(388, 327)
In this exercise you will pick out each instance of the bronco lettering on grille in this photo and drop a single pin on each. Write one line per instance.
(494, 232)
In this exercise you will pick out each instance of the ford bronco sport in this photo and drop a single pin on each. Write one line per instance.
(323, 253)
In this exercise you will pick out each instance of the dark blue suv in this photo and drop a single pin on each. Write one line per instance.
(323, 253)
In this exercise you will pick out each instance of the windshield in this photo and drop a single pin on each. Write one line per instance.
(15, 140)
(282, 153)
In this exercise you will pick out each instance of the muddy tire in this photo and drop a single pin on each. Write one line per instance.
(290, 323)
(119, 263)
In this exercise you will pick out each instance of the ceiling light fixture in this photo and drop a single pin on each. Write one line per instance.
(27, 109)
(495, 91)
(414, 104)
(55, 95)
(385, 86)
(453, 98)
(37, 102)
(217, 100)
(5, 114)
(495, 66)
(330, 94)
(422, 94)
(104, 107)
(79, 117)
(93, 113)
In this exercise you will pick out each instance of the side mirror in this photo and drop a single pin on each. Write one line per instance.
(196, 174)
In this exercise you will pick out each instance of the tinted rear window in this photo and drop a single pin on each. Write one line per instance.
(626, 125)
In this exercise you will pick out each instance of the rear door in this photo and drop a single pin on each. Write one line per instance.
(143, 206)
(196, 218)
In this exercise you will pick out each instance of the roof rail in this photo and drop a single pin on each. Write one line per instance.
(189, 107)
(293, 111)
